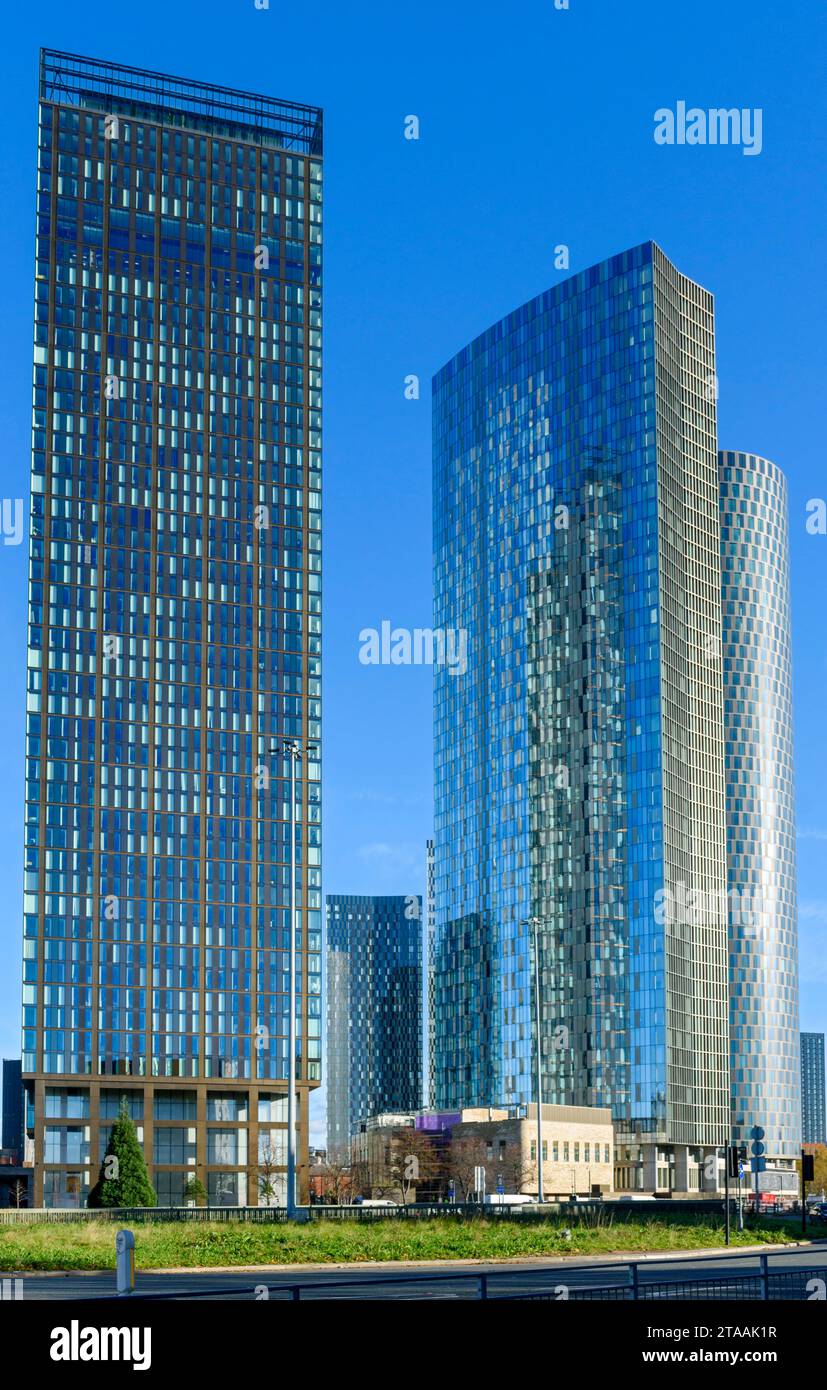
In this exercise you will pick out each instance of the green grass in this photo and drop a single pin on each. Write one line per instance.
(91, 1245)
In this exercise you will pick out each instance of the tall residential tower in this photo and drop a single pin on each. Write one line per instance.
(428, 979)
(374, 1011)
(760, 794)
(813, 1114)
(580, 760)
(174, 625)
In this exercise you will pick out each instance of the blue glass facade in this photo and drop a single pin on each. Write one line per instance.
(428, 979)
(760, 802)
(374, 1011)
(813, 1114)
(579, 760)
(175, 596)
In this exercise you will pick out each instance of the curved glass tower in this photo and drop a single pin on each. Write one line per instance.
(763, 946)
(579, 758)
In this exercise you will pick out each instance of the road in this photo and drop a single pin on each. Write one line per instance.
(659, 1277)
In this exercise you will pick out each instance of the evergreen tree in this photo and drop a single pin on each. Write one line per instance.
(194, 1191)
(123, 1180)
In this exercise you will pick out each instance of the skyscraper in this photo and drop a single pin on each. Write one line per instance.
(174, 627)
(374, 1011)
(428, 979)
(579, 760)
(760, 797)
(813, 1120)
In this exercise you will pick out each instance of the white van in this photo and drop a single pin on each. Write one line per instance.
(509, 1199)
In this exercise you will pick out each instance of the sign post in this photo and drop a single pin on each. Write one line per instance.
(758, 1161)
(479, 1183)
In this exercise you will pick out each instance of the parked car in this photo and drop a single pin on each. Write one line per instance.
(508, 1199)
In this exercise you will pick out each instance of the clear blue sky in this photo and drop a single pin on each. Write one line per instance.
(536, 129)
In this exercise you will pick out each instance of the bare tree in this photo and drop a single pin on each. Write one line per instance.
(268, 1186)
(465, 1154)
(381, 1179)
(360, 1172)
(413, 1161)
(337, 1181)
(517, 1170)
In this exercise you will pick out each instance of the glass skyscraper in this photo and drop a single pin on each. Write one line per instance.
(760, 794)
(374, 1011)
(428, 978)
(813, 1118)
(579, 762)
(174, 625)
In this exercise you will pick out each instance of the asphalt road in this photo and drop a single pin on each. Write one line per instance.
(659, 1279)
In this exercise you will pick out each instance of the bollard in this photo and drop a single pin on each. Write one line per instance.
(125, 1262)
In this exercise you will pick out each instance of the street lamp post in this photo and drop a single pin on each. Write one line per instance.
(534, 923)
(293, 751)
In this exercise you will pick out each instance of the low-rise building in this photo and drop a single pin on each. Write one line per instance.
(439, 1155)
(577, 1150)
(657, 1170)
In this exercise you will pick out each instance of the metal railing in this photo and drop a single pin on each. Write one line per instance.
(74, 80)
(580, 1214)
(616, 1281)
(14, 1216)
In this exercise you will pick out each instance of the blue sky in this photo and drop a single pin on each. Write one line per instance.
(536, 130)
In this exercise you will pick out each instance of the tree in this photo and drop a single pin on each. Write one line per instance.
(518, 1172)
(413, 1161)
(819, 1152)
(123, 1180)
(465, 1154)
(20, 1193)
(195, 1191)
(336, 1181)
(268, 1187)
(361, 1176)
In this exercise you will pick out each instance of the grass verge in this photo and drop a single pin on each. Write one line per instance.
(159, 1245)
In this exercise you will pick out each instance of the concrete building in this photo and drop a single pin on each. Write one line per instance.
(577, 1144)
(578, 1152)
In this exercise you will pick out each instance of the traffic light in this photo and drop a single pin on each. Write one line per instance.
(808, 1167)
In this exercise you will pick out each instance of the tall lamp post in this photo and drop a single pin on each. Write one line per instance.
(292, 749)
(535, 924)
